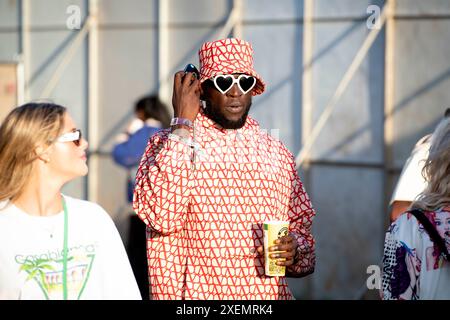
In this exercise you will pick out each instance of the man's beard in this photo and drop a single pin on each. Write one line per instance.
(221, 120)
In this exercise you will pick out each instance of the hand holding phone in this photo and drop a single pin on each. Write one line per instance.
(186, 93)
(191, 68)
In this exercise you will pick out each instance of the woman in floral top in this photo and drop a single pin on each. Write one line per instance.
(413, 266)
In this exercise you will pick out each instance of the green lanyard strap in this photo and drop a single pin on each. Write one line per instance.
(65, 249)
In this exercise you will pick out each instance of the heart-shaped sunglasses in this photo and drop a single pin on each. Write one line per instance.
(224, 82)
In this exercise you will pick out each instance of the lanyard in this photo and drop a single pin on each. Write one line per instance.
(65, 250)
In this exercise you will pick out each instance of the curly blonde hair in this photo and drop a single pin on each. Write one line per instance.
(437, 171)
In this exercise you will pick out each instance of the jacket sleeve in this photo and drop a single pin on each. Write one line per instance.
(301, 214)
(128, 153)
(163, 182)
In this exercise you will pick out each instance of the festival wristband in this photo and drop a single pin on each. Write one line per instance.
(181, 121)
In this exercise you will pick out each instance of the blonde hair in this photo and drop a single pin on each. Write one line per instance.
(23, 129)
(437, 170)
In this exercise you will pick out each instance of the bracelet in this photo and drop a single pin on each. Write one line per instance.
(182, 121)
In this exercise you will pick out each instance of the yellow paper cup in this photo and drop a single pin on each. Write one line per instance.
(273, 230)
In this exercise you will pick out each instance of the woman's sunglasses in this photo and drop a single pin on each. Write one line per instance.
(224, 82)
(74, 136)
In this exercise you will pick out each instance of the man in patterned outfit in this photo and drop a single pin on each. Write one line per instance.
(205, 187)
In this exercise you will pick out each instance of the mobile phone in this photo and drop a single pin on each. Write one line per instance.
(191, 68)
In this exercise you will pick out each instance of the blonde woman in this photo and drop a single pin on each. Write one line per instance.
(415, 266)
(53, 246)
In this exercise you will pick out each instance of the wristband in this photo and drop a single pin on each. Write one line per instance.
(181, 121)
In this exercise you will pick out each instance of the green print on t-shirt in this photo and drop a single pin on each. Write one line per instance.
(46, 269)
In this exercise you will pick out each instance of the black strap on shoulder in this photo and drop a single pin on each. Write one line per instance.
(432, 232)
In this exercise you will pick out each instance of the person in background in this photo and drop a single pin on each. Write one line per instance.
(415, 262)
(411, 181)
(53, 246)
(151, 115)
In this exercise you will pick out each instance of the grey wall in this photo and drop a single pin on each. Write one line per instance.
(48, 38)
(347, 179)
(345, 184)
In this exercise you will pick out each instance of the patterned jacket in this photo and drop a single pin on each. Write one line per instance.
(204, 206)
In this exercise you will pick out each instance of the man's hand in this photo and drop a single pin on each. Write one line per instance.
(186, 95)
(288, 244)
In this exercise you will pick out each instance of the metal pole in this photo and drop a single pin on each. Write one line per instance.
(229, 24)
(308, 54)
(304, 152)
(75, 44)
(20, 76)
(93, 102)
(20, 70)
(389, 103)
(307, 99)
(163, 52)
(237, 23)
(25, 46)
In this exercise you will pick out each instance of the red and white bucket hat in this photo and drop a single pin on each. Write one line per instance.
(228, 56)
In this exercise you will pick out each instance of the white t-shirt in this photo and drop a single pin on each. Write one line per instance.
(411, 182)
(31, 255)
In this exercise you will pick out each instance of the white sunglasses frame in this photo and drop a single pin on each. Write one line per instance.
(71, 137)
(235, 81)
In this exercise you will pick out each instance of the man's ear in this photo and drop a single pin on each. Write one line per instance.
(202, 97)
(202, 93)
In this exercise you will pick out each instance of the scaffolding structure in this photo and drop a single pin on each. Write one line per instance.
(312, 118)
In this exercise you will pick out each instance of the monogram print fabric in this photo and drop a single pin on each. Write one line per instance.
(204, 208)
